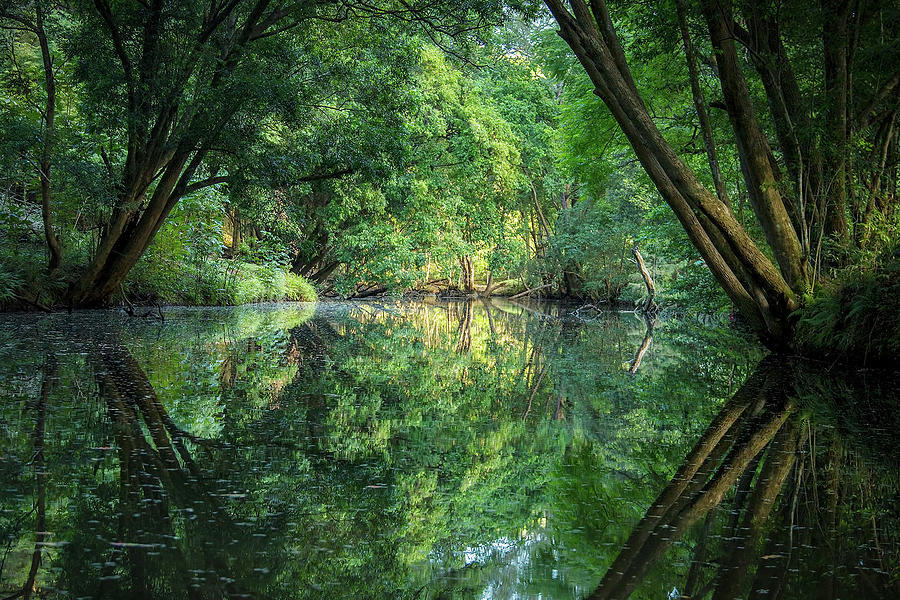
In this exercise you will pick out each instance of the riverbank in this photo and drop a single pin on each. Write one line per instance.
(213, 282)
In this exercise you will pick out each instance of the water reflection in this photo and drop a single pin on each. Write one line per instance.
(789, 508)
(434, 451)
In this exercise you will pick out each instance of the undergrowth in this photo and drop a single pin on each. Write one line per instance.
(855, 317)
(216, 282)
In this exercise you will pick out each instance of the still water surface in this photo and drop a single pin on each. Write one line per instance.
(412, 450)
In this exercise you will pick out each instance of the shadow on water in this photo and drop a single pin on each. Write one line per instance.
(448, 450)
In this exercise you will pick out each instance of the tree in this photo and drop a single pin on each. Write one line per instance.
(30, 19)
(794, 218)
(174, 93)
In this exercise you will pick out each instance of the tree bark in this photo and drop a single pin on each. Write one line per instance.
(763, 295)
(754, 150)
(700, 106)
(835, 43)
(467, 278)
(793, 126)
(649, 304)
(162, 148)
(53, 244)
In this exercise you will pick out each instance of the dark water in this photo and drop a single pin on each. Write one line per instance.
(435, 451)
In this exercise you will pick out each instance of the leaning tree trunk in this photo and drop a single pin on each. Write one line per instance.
(165, 148)
(130, 231)
(700, 106)
(764, 294)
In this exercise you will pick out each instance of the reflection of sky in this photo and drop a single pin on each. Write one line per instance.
(513, 567)
(481, 554)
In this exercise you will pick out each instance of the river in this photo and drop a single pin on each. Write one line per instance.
(436, 450)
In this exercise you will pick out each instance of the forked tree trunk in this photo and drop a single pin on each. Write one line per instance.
(467, 278)
(164, 148)
(130, 231)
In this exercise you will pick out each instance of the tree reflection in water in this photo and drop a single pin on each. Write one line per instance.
(782, 493)
(435, 451)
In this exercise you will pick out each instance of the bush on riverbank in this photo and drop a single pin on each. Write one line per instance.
(855, 318)
(217, 282)
(164, 277)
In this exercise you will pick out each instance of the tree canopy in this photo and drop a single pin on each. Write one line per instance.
(220, 152)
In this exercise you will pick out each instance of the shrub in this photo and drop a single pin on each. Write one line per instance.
(856, 316)
(220, 282)
(298, 288)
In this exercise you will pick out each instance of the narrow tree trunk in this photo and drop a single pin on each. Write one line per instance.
(700, 107)
(236, 238)
(467, 275)
(545, 227)
(835, 38)
(790, 116)
(53, 244)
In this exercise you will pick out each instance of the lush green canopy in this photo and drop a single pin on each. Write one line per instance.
(225, 152)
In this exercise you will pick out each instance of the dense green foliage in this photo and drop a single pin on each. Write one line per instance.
(856, 314)
(183, 153)
(365, 155)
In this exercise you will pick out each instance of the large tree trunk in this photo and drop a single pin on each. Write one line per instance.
(130, 231)
(764, 295)
(790, 115)
(755, 154)
(164, 148)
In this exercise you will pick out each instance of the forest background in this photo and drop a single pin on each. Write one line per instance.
(223, 152)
